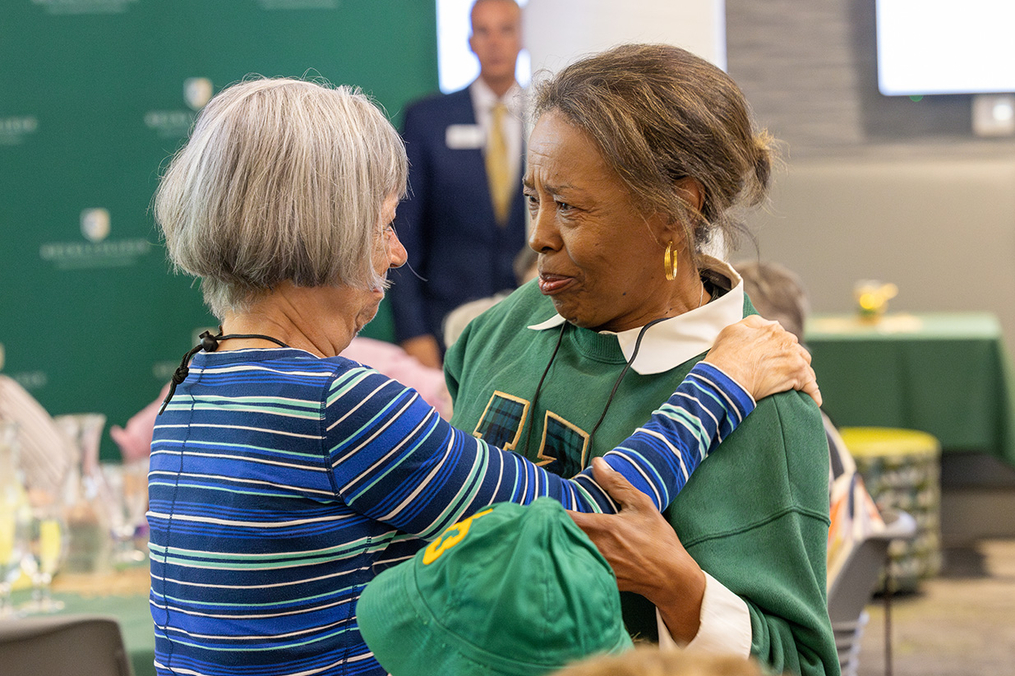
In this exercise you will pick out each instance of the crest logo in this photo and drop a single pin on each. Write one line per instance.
(197, 91)
(95, 224)
(97, 251)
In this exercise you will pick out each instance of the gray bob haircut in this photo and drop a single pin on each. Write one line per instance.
(281, 180)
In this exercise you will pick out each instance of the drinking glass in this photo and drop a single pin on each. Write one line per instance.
(128, 487)
(14, 528)
(87, 500)
(14, 516)
(47, 547)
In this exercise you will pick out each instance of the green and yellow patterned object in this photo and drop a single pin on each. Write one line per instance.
(902, 471)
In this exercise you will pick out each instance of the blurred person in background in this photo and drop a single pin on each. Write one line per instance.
(45, 453)
(464, 218)
(459, 318)
(778, 293)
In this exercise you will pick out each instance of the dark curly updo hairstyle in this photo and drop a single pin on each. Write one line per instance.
(658, 113)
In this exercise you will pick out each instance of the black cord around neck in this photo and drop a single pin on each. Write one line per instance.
(705, 285)
(539, 386)
(209, 343)
(616, 385)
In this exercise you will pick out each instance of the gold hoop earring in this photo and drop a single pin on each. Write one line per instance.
(670, 264)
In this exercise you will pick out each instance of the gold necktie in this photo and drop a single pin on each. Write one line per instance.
(497, 165)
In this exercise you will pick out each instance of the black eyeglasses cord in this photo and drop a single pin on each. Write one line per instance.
(613, 392)
(209, 343)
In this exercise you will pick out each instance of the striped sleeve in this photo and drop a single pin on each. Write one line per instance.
(393, 458)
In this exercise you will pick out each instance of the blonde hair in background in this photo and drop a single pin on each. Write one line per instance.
(651, 661)
(281, 180)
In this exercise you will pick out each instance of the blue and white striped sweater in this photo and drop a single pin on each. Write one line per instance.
(281, 483)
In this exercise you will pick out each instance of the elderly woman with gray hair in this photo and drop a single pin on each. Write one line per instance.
(283, 476)
(639, 157)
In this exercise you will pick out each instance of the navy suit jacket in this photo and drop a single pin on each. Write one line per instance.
(447, 223)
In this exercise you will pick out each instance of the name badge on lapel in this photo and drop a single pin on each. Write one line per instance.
(463, 137)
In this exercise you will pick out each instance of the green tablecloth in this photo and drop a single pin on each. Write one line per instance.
(947, 374)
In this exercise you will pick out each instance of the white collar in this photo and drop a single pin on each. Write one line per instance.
(672, 342)
(483, 97)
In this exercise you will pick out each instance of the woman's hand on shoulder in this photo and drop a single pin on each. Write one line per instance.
(764, 358)
(645, 553)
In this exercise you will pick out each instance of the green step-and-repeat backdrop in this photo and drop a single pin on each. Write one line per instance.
(95, 95)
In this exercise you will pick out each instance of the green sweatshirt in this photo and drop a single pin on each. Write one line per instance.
(754, 515)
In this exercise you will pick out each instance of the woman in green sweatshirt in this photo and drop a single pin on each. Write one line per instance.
(640, 157)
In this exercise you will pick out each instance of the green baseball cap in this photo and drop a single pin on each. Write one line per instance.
(512, 590)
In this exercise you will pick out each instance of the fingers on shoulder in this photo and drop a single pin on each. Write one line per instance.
(593, 524)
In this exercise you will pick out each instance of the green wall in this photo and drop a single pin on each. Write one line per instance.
(92, 104)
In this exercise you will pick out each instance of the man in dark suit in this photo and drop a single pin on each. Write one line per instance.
(464, 219)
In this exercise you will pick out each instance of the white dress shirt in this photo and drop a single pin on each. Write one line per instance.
(483, 101)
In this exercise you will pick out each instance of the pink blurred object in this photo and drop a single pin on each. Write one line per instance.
(135, 440)
(393, 362)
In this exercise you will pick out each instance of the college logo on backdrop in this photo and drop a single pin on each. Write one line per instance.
(97, 250)
(197, 91)
(13, 130)
(95, 224)
(84, 6)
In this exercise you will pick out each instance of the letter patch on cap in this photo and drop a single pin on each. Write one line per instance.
(449, 538)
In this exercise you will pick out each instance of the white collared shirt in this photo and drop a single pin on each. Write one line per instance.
(483, 101)
(725, 619)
